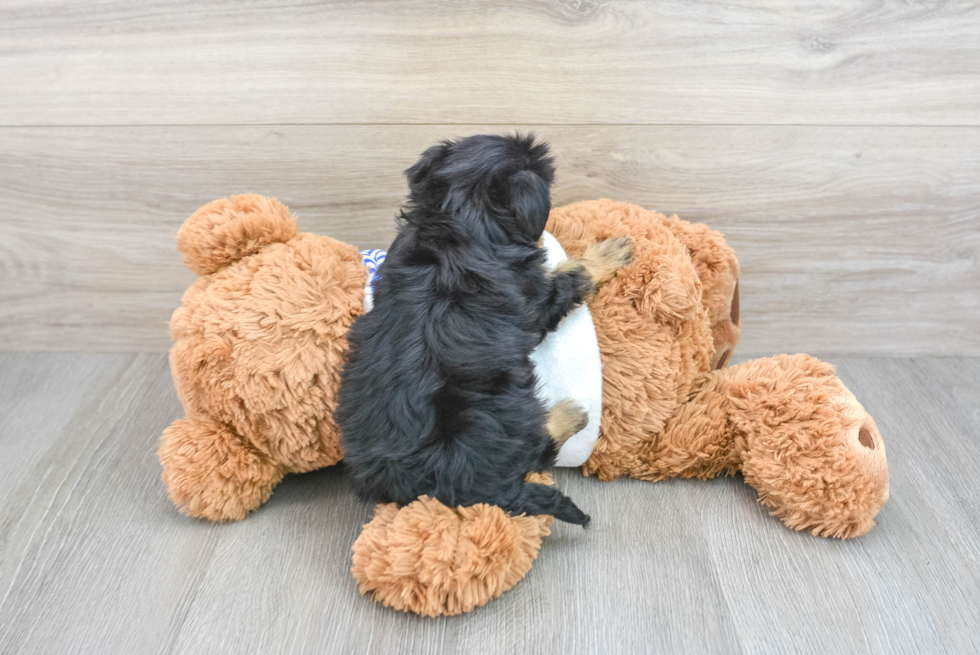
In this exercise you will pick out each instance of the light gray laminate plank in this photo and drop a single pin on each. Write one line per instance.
(909, 585)
(852, 240)
(94, 559)
(446, 61)
(110, 566)
(29, 386)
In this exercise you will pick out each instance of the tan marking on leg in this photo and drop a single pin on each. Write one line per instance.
(587, 286)
(565, 419)
(604, 259)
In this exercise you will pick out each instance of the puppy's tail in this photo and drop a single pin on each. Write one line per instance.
(534, 499)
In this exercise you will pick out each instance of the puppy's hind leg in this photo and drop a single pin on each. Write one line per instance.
(565, 419)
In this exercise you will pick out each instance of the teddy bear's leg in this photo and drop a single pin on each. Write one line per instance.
(432, 560)
(213, 473)
(798, 435)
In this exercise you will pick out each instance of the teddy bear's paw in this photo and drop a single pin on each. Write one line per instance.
(432, 560)
(213, 473)
(606, 258)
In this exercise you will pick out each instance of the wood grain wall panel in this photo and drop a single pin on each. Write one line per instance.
(853, 240)
(64, 62)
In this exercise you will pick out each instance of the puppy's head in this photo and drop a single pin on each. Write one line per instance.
(498, 187)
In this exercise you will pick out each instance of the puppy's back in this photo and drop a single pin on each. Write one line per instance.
(438, 396)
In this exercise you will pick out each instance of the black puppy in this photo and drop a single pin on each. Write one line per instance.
(438, 394)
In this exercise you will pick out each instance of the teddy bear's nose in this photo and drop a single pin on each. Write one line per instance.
(864, 436)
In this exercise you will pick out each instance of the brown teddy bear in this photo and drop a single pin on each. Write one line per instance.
(260, 339)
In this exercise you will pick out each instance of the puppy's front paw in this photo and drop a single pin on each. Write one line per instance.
(565, 419)
(604, 259)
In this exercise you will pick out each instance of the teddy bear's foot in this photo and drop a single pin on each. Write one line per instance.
(213, 473)
(432, 560)
(813, 453)
(798, 435)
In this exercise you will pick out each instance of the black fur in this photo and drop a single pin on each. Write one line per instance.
(438, 394)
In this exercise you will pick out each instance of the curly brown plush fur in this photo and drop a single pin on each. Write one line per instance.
(667, 326)
(432, 560)
(802, 451)
(261, 336)
(259, 342)
(654, 333)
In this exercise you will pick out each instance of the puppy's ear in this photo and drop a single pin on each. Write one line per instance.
(420, 173)
(530, 199)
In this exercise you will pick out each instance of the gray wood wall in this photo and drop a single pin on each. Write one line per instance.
(837, 145)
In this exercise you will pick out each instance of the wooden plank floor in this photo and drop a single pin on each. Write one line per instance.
(94, 559)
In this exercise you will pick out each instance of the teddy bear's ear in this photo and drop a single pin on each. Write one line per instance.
(224, 231)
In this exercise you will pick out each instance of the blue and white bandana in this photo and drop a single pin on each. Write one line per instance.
(373, 259)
